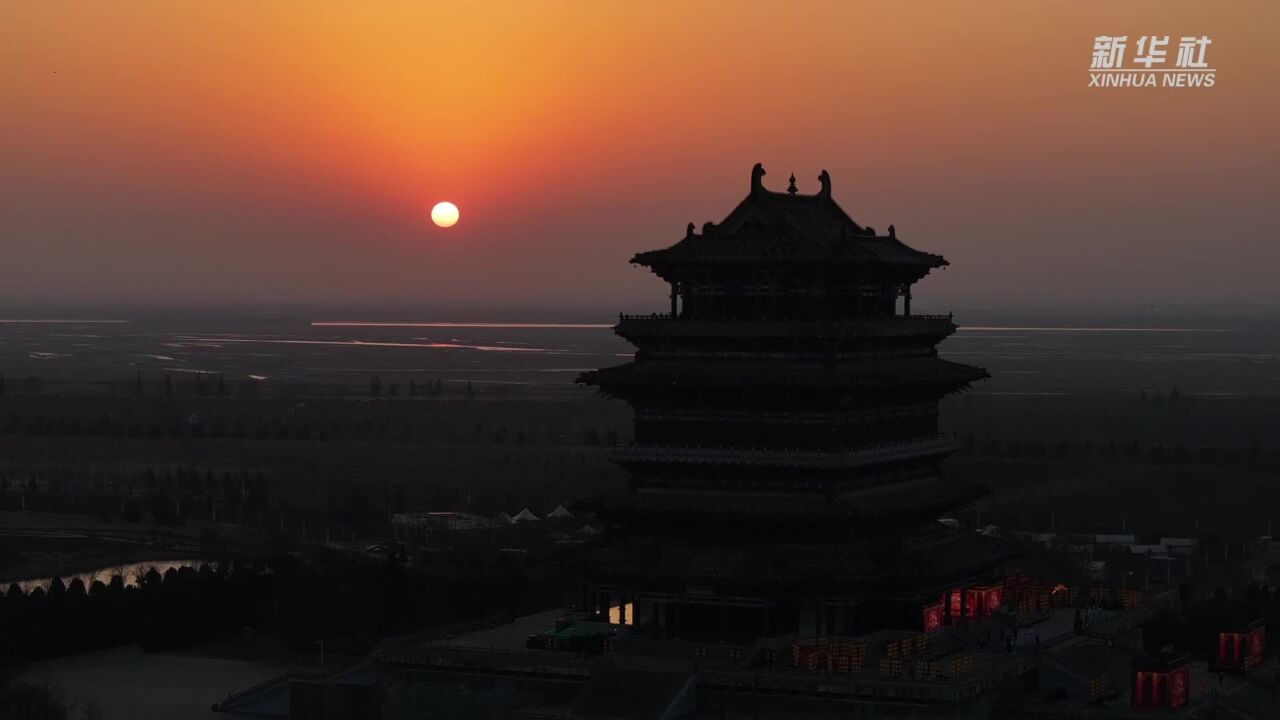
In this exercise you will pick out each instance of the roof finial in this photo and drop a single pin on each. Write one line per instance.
(757, 174)
(825, 180)
(688, 232)
(892, 233)
(792, 187)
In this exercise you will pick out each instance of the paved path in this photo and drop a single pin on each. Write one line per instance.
(132, 685)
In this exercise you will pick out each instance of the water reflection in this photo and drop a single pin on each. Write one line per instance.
(131, 572)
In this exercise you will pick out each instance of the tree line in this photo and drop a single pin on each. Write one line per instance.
(216, 385)
(160, 612)
(350, 604)
(1182, 454)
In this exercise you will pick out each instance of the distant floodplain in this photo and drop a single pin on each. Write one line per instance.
(95, 356)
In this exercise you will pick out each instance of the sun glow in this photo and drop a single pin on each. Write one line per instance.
(444, 214)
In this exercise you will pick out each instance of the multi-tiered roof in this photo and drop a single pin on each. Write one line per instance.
(786, 407)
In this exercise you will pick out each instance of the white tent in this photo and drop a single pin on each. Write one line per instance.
(504, 519)
(525, 516)
(587, 529)
(560, 512)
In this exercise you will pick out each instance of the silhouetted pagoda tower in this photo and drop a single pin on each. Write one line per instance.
(785, 463)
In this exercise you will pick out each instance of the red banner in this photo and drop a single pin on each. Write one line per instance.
(1178, 682)
(933, 617)
(995, 598)
(1257, 643)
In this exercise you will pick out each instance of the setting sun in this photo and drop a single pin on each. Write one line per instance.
(444, 214)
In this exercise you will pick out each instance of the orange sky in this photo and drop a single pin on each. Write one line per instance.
(290, 152)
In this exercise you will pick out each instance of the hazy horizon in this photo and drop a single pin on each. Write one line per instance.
(1258, 315)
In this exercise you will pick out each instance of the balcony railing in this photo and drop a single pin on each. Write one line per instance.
(665, 326)
(852, 458)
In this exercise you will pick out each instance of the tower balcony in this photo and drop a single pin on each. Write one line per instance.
(934, 446)
(664, 325)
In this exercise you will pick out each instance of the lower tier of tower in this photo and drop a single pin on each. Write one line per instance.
(752, 587)
(781, 506)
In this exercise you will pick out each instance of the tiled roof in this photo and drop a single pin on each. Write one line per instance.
(864, 510)
(749, 561)
(872, 374)
(742, 565)
(770, 227)
(949, 550)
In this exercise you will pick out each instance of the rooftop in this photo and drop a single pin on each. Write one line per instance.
(844, 567)
(768, 227)
(862, 508)
(891, 373)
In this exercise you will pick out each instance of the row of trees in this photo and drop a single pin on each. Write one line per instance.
(286, 428)
(343, 602)
(429, 389)
(216, 385)
(173, 495)
(1135, 451)
(24, 700)
(160, 612)
(27, 386)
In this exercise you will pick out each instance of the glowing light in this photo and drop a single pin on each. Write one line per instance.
(444, 214)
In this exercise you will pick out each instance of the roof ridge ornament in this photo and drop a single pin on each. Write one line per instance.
(792, 189)
(892, 233)
(757, 179)
(688, 232)
(825, 179)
